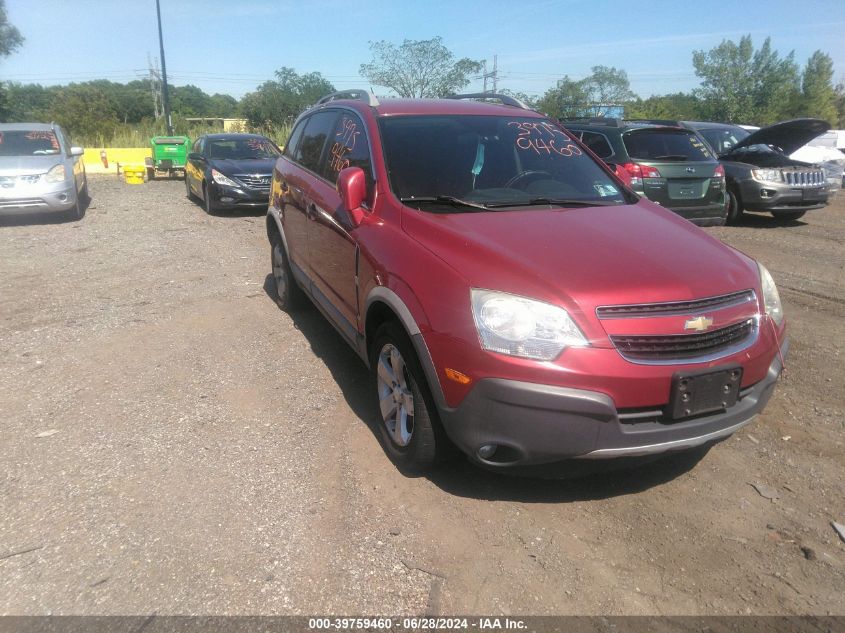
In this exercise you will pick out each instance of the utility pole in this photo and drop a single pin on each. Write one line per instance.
(155, 86)
(493, 75)
(165, 99)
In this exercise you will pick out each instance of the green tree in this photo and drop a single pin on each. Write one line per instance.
(591, 96)
(567, 99)
(819, 95)
(418, 68)
(278, 101)
(743, 86)
(84, 110)
(10, 38)
(222, 105)
(677, 106)
(189, 101)
(27, 102)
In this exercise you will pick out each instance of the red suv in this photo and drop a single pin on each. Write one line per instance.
(508, 292)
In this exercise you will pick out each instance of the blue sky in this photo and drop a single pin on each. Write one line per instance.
(231, 46)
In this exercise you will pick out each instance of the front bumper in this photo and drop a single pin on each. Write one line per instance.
(225, 197)
(774, 197)
(22, 203)
(533, 424)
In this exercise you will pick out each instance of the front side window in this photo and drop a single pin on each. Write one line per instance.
(29, 143)
(348, 147)
(309, 151)
(723, 140)
(491, 161)
(662, 144)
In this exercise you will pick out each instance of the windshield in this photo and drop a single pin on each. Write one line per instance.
(241, 148)
(28, 143)
(490, 160)
(723, 139)
(661, 144)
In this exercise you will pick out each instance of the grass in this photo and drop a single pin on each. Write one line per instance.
(139, 134)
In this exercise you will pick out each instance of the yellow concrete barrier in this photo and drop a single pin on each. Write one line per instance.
(115, 155)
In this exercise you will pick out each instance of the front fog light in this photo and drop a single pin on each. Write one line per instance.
(771, 298)
(518, 326)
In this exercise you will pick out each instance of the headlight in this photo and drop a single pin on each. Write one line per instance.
(56, 174)
(771, 298)
(220, 179)
(518, 326)
(767, 175)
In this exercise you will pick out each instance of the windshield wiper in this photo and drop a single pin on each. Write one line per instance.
(563, 202)
(448, 199)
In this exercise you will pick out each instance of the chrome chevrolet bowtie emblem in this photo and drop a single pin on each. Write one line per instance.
(699, 324)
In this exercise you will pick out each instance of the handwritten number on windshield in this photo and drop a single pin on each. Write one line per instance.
(544, 137)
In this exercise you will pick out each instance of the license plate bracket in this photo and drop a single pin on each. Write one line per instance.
(706, 391)
(811, 194)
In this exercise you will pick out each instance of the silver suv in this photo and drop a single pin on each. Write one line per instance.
(40, 171)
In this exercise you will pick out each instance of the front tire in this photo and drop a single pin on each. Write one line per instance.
(405, 405)
(206, 200)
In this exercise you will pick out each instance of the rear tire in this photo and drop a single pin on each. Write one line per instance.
(151, 174)
(735, 211)
(789, 217)
(408, 416)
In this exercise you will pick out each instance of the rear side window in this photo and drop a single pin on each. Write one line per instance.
(348, 147)
(598, 143)
(309, 150)
(293, 141)
(658, 144)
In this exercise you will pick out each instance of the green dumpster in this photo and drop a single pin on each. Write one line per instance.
(169, 155)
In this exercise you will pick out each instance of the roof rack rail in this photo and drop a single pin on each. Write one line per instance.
(505, 99)
(672, 122)
(355, 95)
(595, 120)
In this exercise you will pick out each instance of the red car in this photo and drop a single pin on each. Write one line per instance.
(509, 293)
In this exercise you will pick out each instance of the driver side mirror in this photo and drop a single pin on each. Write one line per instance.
(76, 151)
(194, 156)
(352, 187)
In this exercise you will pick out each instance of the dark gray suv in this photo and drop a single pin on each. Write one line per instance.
(669, 164)
(760, 175)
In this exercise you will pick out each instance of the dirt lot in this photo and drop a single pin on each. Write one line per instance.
(171, 442)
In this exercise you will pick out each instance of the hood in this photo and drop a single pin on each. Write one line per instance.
(230, 167)
(24, 165)
(584, 258)
(786, 135)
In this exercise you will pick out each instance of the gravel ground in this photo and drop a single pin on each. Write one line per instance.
(171, 442)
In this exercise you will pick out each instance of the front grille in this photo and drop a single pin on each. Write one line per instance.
(675, 307)
(256, 182)
(683, 346)
(804, 178)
